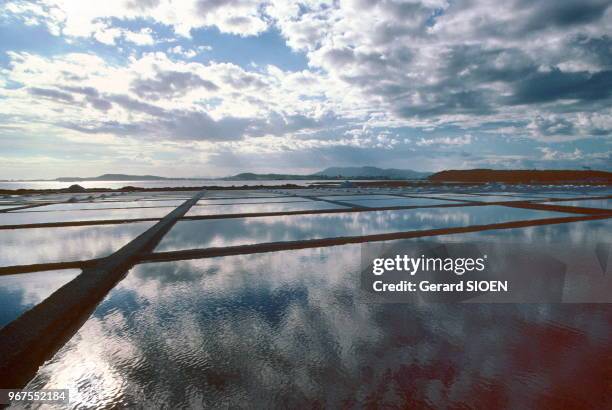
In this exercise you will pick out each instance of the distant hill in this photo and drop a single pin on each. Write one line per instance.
(250, 176)
(336, 173)
(115, 177)
(328, 173)
(522, 176)
(372, 172)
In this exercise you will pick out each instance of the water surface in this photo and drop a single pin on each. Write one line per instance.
(261, 207)
(375, 203)
(488, 198)
(357, 197)
(292, 330)
(247, 200)
(44, 245)
(20, 218)
(241, 231)
(108, 204)
(586, 203)
(21, 292)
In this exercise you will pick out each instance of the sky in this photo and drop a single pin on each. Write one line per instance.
(215, 87)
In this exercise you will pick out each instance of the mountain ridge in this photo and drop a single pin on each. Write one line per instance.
(374, 173)
(369, 171)
(115, 177)
(366, 172)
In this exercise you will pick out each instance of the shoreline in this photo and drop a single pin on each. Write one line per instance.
(353, 184)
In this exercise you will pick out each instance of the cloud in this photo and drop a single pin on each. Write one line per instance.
(422, 77)
(568, 126)
(188, 52)
(463, 62)
(549, 154)
(143, 5)
(51, 94)
(197, 125)
(557, 85)
(170, 84)
(240, 79)
(425, 63)
(156, 97)
(596, 50)
(449, 141)
(134, 105)
(160, 123)
(77, 19)
(142, 38)
(552, 126)
(563, 14)
(111, 35)
(92, 96)
(575, 158)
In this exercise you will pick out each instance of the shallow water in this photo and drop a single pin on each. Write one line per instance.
(489, 198)
(291, 329)
(21, 292)
(44, 245)
(108, 204)
(242, 193)
(240, 231)
(357, 197)
(571, 234)
(20, 218)
(375, 203)
(247, 200)
(586, 203)
(582, 251)
(260, 207)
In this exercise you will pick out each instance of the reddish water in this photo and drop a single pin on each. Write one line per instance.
(291, 329)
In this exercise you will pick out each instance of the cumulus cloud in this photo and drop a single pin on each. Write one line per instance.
(188, 52)
(551, 126)
(573, 159)
(170, 84)
(448, 141)
(471, 62)
(556, 85)
(427, 62)
(162, 99)
(83, 19)
(92, 96)
(51, 94)
(570, 126)
(549, 154)
(379, 75)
